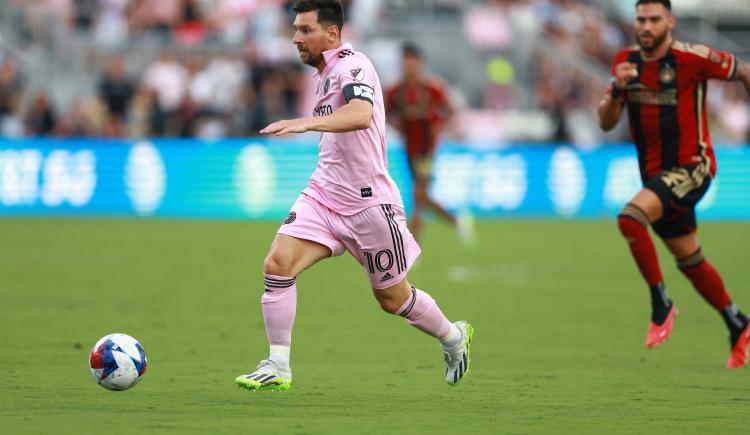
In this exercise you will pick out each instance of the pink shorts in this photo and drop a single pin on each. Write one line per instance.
(377, 237)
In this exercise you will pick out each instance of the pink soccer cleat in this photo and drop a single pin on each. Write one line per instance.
(658, 334)
(738, 357)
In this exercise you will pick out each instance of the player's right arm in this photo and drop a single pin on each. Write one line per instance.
(716, 64)
(352, 116)
(610, 107)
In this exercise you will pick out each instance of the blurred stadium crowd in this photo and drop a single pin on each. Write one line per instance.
(222, 68)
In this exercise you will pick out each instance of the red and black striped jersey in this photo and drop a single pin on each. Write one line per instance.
(667, 106)
(420, 109)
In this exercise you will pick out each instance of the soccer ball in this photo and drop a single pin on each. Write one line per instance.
(117, 362)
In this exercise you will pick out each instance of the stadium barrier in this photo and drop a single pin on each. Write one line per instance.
(260, 178)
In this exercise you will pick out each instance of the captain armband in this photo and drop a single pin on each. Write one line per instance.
(359, 90)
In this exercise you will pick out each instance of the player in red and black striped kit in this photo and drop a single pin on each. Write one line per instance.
(418, 106)
(663, 84)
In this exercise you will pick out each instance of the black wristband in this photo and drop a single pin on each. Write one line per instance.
(616, 92)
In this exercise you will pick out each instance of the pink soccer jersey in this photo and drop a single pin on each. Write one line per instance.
(352, 172)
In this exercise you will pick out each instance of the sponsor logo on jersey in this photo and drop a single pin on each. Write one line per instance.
(357, 74)
(323, 110)
(366, 192)
(661, 98)
(386, 277)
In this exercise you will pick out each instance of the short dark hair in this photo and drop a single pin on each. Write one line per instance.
(411, 49)
(666, 3)
(329, 11)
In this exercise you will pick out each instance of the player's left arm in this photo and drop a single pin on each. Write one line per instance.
(717, 64)
(742, 75)
(352, 116)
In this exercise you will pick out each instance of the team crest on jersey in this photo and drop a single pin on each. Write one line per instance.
(326, 86)
(667, 74)
(291, 218)
(357, 74)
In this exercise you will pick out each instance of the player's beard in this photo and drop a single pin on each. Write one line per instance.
(656, 42)
(311, 60)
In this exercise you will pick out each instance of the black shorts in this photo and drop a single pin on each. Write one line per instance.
(679, 189)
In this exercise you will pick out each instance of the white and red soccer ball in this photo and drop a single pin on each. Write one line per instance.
(117, 362)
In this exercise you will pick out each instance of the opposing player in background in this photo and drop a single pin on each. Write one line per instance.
(663, 84)
(350, 203)
(418, 107)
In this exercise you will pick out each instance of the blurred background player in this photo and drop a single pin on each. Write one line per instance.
(351, 203)
(418, 107)
(663, 84)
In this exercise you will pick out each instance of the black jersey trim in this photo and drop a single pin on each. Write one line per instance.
(669, 115)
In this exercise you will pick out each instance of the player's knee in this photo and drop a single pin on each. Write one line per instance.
(685, 262)
(278, 264)
(393, 298)
(390, 306)
(386, 301)
(632, 221)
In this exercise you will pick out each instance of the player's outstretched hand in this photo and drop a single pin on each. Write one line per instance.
(280, 128)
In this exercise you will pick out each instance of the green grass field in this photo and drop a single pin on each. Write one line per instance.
(559, 310)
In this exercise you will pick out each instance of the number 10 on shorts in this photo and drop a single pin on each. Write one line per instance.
(383, 260)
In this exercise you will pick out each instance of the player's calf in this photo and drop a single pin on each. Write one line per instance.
(422, 312)
(633, 223)
(707, 281)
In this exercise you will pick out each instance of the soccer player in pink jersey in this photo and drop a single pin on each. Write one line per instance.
(350, 204)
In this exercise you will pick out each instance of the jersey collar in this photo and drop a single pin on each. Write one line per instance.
(332, 56)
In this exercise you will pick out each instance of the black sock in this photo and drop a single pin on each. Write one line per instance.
(660, 303)
(736, 322)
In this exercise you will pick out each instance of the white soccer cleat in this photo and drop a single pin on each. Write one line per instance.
(268, 376)
(457, 357)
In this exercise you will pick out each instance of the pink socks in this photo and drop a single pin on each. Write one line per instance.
(279, 303)
(423, 313)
